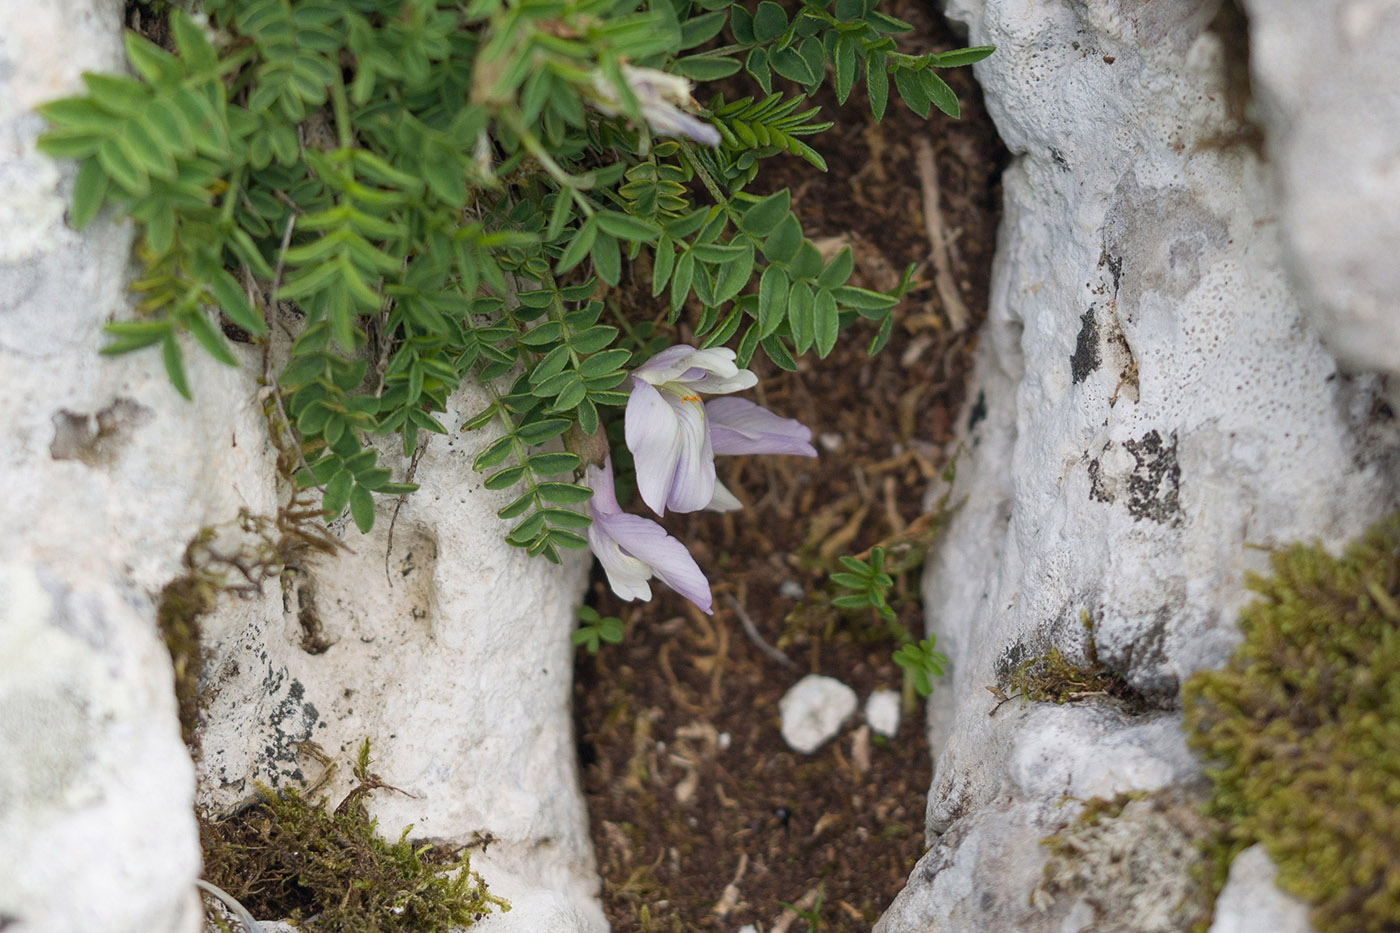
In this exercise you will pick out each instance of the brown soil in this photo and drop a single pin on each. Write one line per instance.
(703, 819)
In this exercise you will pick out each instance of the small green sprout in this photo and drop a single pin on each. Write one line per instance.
(866, 584)
(595, 629)
(921, 664)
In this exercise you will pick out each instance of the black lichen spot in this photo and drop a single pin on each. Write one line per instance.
(1010, 659)
(96, 439)
(1097, 492)
(1155, 481)
(290, 724)
(1115, 268)
(978, 414)
(1086, 357)
(1059, 158)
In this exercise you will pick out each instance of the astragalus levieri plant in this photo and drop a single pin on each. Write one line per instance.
(438, 191)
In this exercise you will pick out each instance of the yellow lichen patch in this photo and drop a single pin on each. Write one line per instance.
(1301, 732)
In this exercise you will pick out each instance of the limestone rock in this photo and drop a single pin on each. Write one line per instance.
(1251, 901)
(1150, 408)
(449, 651)
(108, 473)
(882, 712)
(813, 710)
(1324, 82)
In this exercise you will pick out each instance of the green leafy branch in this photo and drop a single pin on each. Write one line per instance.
(423, 192)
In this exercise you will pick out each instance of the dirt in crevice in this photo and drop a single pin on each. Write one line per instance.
(703, 819)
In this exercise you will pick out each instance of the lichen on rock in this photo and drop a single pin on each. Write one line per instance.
(1302, 729)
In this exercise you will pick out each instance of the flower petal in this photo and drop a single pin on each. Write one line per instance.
(653, 433)
(688, 370)
(665, 366)
(724, 500)
(600, 480)
(668, 558)
(693, 485)
(738, 426)
(626, 574)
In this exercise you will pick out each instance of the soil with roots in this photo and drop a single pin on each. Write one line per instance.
(702, 817)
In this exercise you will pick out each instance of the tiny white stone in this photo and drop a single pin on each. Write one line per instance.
(813, 710)
(791, 589)
(748, 928)
(724, 741)
(830, 440)
(882, 712)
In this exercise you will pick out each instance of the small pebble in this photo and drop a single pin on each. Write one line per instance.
(724, 741)
(791, 589)
(813, 710)
(748, 928)
(882, 712)
(830, 440)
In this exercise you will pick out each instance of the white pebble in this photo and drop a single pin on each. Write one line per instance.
(791, 589)
(813, 710)
(882, 712)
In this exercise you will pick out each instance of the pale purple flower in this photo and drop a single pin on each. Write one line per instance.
(674, 436)
(633, 549)
(661, 96)
(738, 426)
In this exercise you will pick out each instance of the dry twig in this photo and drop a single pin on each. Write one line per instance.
(938, 239)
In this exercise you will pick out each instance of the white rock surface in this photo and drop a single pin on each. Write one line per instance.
(1324, 82)
(449, 651)
(1250, 902)
(1151, 408)
(882, 712)
(107, 473)
(813, 710)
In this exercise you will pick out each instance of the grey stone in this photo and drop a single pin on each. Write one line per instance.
(1250, 902)
(882, 712)
(813, 710)
(1324, 85)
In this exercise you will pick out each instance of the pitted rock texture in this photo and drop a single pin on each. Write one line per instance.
(1151, 410)
(450, 652)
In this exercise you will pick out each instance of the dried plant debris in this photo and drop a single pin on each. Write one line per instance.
(1301, 731)
(329, 871)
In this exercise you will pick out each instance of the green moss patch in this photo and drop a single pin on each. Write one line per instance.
(1301, 731)
(1054, 678)
(331, 872)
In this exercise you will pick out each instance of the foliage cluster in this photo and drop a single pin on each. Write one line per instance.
(287, 856)
(1301, 732)
(437, 190)
(866, 580)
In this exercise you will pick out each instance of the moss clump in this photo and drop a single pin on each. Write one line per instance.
(330, 872)
(1302, 730)
(1053, 678)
